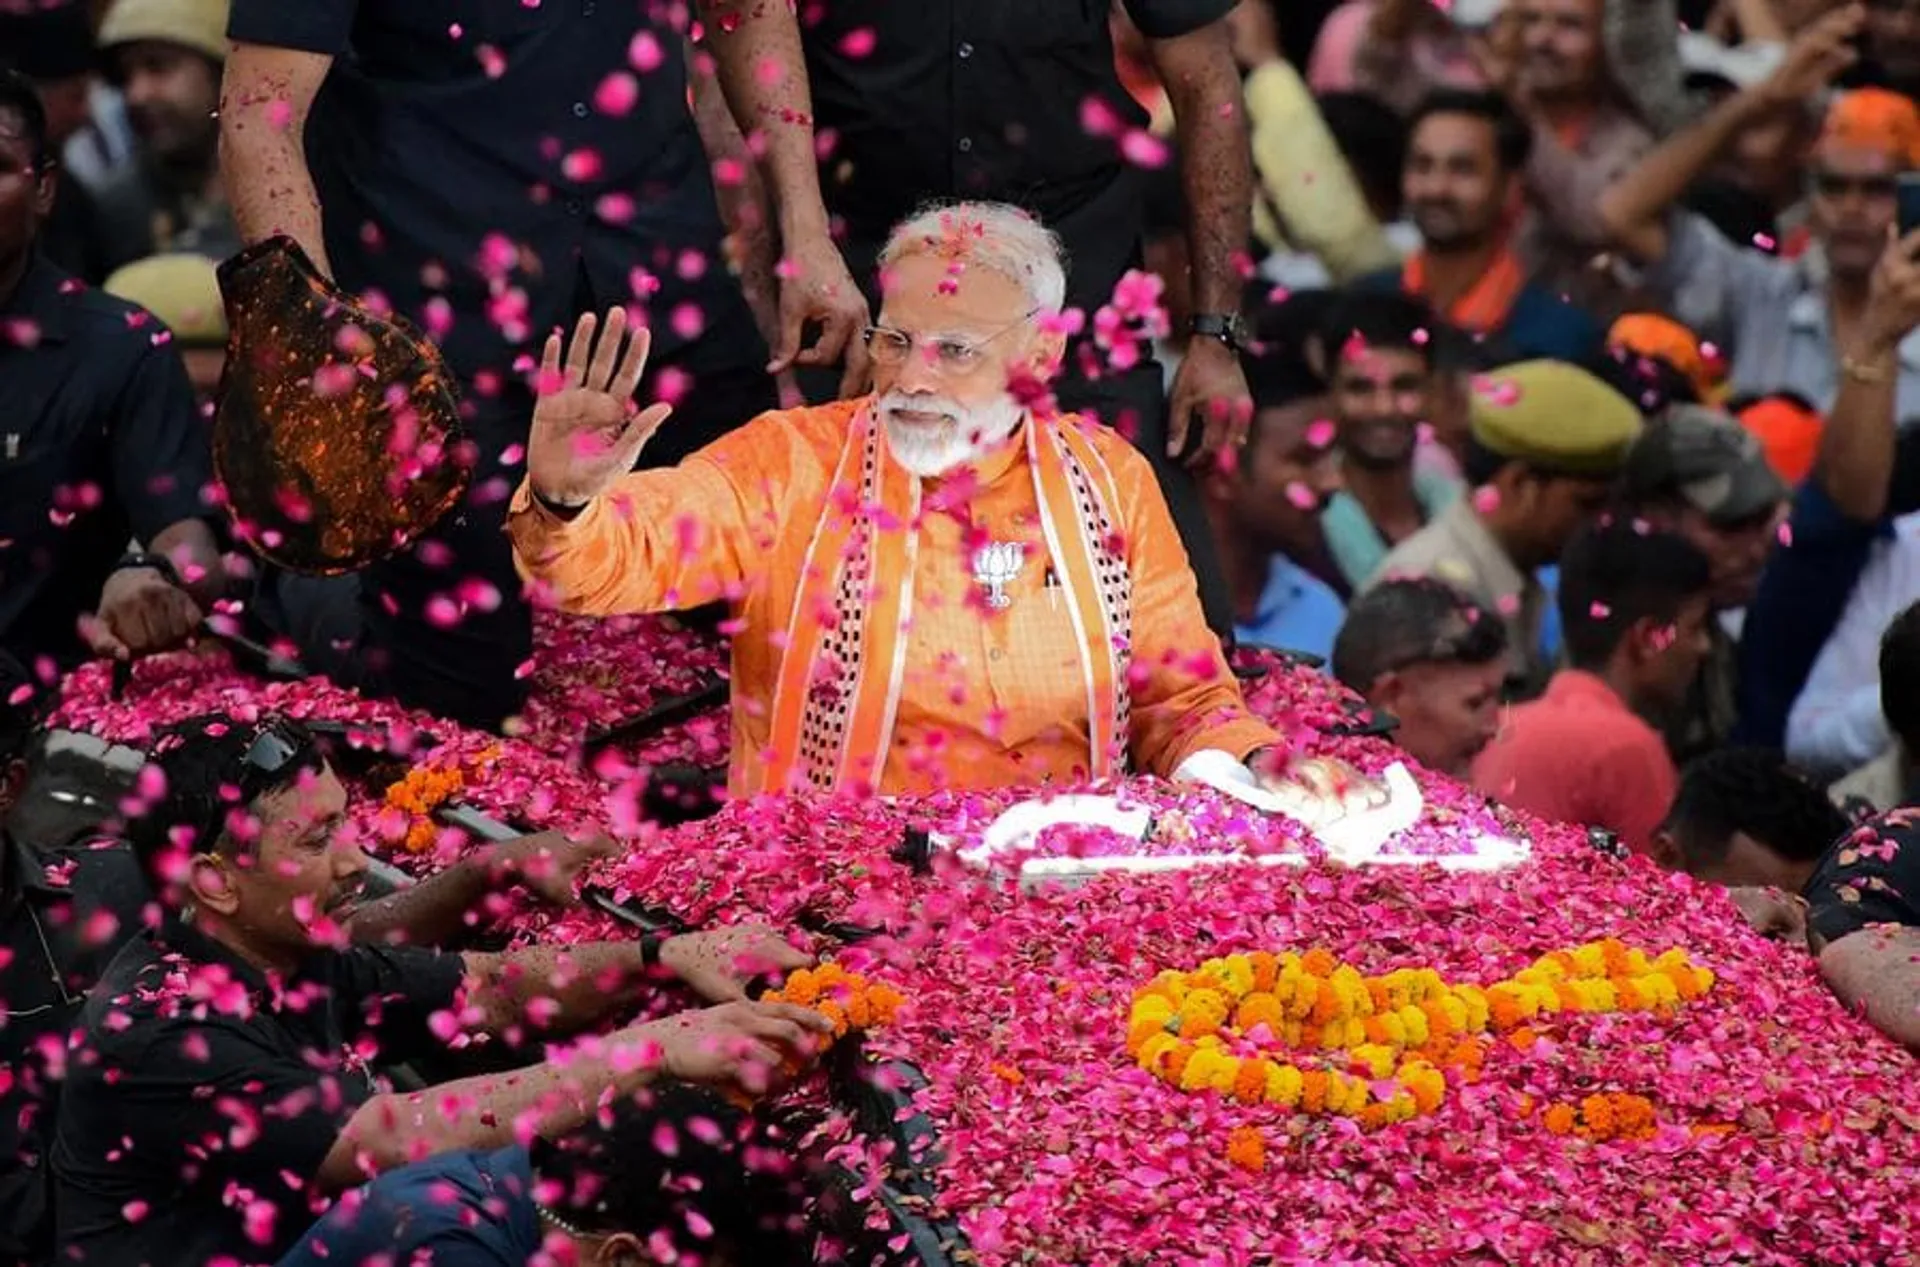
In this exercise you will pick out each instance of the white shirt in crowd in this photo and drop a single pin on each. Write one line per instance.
(1836, 722)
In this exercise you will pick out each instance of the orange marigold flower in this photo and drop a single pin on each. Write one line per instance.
(1318, 962)
(802, 987)
(1313, 1091)
(1259, 1009)
(1246, 1149)
(1325, 1005)
(1560, 1119)
(1139, 1032)
(1250, 1084)
(1522, 1038)
(1266, 970)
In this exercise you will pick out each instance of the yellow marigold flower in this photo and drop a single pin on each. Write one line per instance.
(1377, 1060)
(1590, 960)
(1414, 1021)
(1237, 972)
(1198, 1072)
(1396, 1031)
(1246, 1150)
(1153, 1007)
(1426, 1085)
(1202, 1012)
(1223, 1075)
(1284, 1085)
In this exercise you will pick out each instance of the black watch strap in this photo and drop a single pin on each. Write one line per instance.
(1224, 326)
(158, 562)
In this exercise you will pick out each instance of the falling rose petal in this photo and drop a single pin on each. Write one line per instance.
(614, 207)
(1097, 118)
(1301, 496)
(1486, 499)
(687, 320)
(617, 93)
(644, 53)
(1144, 149)
(333, 381)
(858, 42)
(581, 166)
(1321, 433)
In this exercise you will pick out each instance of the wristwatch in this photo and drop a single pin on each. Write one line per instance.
(158, 562)
(1224, 326)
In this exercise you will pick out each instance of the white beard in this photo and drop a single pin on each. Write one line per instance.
(931, 450)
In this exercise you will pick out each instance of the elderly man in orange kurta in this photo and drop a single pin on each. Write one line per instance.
(934, 585)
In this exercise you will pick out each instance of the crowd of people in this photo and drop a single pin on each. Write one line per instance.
(986, 373)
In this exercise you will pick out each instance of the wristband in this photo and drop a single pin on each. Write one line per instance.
(158, 562)
(559, 510)
(650, 945)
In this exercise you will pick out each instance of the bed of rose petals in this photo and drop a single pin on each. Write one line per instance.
(1785, 1130)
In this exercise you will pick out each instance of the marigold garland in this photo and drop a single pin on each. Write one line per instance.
(1386, 1039)
(428, 787)
(847, 999)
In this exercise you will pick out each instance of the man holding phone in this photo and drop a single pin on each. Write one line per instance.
(1785, 325)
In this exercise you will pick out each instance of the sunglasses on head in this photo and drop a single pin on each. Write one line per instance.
(278, 750)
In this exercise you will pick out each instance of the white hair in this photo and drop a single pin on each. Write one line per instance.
(993, 235)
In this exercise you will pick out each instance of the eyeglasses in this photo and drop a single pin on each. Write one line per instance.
(1834, 185)
(948, 354)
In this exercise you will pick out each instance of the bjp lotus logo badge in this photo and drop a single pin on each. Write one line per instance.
(994, 567)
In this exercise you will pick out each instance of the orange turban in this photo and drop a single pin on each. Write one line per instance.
(1874, 118)
(1789, 434)
(1650, 334)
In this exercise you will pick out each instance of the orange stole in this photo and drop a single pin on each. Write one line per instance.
(844, 664)
(1484, 307)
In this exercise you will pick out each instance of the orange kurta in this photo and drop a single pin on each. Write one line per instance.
(989, 697)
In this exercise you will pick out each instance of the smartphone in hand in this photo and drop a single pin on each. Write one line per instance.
(1907, 201)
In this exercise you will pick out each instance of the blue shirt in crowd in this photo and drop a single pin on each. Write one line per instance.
(466, 1209)
(1297, 612)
